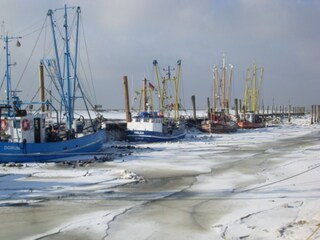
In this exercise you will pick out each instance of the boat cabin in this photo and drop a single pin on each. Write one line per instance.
(146, 121)
(29, 128)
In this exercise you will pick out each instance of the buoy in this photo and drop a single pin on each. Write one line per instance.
(4, 124)
(25, 124)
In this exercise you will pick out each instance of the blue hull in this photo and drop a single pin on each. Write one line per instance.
(46, 152)
(150, 136)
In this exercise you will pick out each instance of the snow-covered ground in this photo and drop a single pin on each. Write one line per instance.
(253, 184)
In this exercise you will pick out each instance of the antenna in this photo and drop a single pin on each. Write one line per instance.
(2, 29)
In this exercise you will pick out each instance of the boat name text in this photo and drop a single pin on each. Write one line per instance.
(11, 148)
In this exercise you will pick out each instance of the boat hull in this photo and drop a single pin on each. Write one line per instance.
(153, 136)
(46, 152)
(217, 128)
(250, 125)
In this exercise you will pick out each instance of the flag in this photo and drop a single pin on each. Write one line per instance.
(151, 86)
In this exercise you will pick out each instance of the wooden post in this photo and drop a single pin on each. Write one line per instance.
(41, 79)
(208, 108)
(236, 108)
(126, 98)
(193, 103)
(289, 113)
(240, 105)
(314, 113)
(144, 94)
(311, 114)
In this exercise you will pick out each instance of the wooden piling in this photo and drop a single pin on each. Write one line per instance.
(126, 98)
(208, 108)
(236, 108)
(144, 94)
(289, 113)
(312, 110)
(42, 96)
(193, 103)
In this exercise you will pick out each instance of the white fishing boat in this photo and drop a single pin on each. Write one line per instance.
(249, 117)
(164, 124)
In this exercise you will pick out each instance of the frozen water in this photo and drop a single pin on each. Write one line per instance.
(254, 184)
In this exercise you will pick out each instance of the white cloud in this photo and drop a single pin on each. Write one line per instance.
(124, 37)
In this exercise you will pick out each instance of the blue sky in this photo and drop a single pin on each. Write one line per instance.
(125, 36)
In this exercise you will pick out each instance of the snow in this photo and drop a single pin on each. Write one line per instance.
(253, 184)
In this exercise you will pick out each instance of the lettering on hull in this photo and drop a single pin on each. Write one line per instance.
(15, 148)
(138, 132)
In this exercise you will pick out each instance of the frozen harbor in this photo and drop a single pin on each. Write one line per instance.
(254, 184)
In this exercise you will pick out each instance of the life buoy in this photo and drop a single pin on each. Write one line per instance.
(25, 124)
(4, 124)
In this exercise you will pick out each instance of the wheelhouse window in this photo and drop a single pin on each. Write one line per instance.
(17, 124)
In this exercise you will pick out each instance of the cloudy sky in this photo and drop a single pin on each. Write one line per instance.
(125, 36)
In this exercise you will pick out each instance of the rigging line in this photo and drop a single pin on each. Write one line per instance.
(2, 53)
(25, 30)
(72, 25)
(53, 97)
(28, 91)
(32, 32)
(313, 232)
(89, 62)
(58, 25)
(34, 96)
(25, 68)
(4, 78)
(281, 180)
(181, 86)
(80, 60)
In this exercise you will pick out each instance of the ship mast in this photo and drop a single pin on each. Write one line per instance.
(214, 89)
(252, 89)
(67, 82)
(224, 81)
(176, 90)
(9, 91)
(162, 87)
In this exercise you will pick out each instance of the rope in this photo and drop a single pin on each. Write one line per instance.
(24, 70)
(89, 62)
(281, 180)
(314, 232)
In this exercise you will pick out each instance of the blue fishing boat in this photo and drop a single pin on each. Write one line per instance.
(162, 125)
(30, 135)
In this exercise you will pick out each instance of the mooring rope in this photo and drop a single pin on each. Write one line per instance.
(314, 232)
(281, 180)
